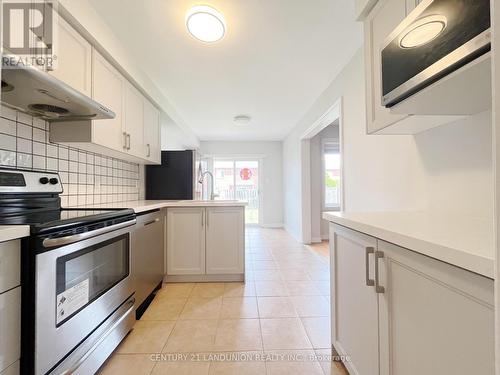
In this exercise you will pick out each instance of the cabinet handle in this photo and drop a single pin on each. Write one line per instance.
(128, 141)
(368, 251)
(207, 217)
(149, 150)
(202, 219)
(124, 140)
(378, 288)
(152, 222)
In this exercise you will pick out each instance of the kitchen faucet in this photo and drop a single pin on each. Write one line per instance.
(202, 179)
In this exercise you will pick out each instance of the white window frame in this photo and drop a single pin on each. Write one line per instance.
(325, 207)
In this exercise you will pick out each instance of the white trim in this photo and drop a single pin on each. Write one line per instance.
(316, 240)
(272, 225)
(333, 114)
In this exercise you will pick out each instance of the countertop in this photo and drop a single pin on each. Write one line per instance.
(148, 205)
(12, 232)
(466, 242)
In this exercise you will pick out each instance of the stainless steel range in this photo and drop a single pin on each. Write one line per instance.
(77, 292)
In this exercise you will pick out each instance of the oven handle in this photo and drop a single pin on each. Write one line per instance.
(82, 359)
(54, 242)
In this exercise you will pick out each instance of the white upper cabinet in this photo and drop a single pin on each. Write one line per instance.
(108, 89)
(74, 59)
(362, 8)
(134, 121)
(152, 132)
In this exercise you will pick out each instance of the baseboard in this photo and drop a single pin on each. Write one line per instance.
(272, 225)
(316, 240)
(203, 278)
(325, 237)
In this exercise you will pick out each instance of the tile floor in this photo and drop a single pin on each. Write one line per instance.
(277, 322)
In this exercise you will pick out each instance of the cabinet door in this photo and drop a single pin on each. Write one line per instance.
(186, 241)
(434, 317)
(225, 240)
(152, 136)
(74, 59)
(10, 327)
(354, 303)
(108, 89)
(386, 15)
(134, 120)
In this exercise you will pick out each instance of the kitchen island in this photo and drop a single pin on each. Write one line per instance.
(203, 240)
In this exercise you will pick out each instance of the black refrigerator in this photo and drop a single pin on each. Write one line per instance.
(175, 178)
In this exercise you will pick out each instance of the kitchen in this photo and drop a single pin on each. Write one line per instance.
(117, 255)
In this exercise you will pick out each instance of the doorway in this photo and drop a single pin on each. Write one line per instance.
(238, 179)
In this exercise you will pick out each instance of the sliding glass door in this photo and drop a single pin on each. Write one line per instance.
(239, 180)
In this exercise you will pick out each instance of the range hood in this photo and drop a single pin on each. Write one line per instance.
(39, 94)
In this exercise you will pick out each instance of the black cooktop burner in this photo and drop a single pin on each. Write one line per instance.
(50, 217)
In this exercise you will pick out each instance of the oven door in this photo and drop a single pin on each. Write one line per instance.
(78, 286)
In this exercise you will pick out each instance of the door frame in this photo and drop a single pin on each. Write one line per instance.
(260, 160)
(331, 115)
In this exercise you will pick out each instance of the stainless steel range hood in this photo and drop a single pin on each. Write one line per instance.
(39, 94)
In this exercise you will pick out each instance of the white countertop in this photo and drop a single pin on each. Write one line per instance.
(12, 232)
(148, 205)
(463, 241)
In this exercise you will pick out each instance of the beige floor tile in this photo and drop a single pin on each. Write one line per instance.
(284, 333)
(267, 275)
(276, 307)
(294, 274)
(192, 336)
(127, 364)
(270, 289)
(319, 275)
(330, 367)
(311, 306)
(246, 289)
(237, 368)
(302, 288)
(164, 309)
(146, 337)
(264, 255)
(175, 290)
(260, 265)
(239, 308)
(201, 308)
(318, 331)
(208, 290)
(181, 368)
(238, 335)
(296, 362)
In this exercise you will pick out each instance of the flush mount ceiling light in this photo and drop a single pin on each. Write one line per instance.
(205, 23)
(423, 31)
(242, 120)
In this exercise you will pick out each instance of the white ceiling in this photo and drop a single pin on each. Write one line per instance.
(276, 59)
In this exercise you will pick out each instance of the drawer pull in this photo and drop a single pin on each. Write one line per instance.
(378, 288)
(368, 251)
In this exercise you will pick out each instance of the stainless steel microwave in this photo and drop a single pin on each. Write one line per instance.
(437, 38)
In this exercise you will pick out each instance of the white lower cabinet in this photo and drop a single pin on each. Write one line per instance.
(13, 369)
(208, 243)
(185, 241)
(10, 328)
(354, 304)
(225, 236)
(395, 311)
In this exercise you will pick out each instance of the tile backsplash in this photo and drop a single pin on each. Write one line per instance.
(87, 178)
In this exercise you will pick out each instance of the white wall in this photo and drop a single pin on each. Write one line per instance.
(272, 182)
(378, 171)
(319, 227)
(447, 170)
(173, 137)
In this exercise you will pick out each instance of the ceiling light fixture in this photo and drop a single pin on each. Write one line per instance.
(242, 120)
(423, 31)
(205, 23)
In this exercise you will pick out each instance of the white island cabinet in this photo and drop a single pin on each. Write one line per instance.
(205, 244)
(395, 311)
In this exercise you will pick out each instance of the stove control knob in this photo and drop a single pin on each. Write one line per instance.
(44, 180)
(54, 181)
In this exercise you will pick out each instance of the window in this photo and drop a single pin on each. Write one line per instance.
(331, 164)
